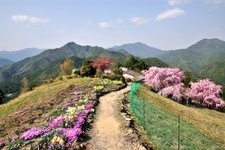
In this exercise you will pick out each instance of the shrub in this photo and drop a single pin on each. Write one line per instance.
(60, 78)
(87, 70)
(1, 96)
(69, 77)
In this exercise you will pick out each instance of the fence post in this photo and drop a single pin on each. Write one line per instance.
(178, 132)
(144, 112)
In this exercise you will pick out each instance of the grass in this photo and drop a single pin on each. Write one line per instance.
(200, 128)
(38, 95)
(33, 108)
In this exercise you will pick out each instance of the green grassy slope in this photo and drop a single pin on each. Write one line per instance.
(201, 128)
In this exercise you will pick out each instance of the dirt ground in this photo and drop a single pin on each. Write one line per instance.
(109, 131)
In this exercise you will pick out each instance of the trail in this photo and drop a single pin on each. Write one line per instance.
(109, 132)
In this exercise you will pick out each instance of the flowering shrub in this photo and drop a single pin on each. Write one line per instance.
(207, 94)
(57, 139)
(98, 88)
(110, 82)
(93, 96)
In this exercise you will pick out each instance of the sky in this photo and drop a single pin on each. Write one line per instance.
(164, 24)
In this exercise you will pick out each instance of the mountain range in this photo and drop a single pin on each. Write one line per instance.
(205, 58)
(15, 56)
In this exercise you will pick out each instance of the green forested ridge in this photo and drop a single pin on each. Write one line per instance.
(41, 67)
(206, 58)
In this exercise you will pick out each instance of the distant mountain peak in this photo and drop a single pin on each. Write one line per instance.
(138, 49)
(210, 39)
(207, 43)
(70, 44)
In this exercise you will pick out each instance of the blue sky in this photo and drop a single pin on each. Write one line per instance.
(164, 24)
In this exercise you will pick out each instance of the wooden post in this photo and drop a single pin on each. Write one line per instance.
(178, 132)
(144, 111)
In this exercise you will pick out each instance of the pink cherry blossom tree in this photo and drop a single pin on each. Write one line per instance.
(206, 93)
(175, 92)
(166, 81)
(159, 78)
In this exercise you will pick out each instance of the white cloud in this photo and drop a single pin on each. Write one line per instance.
(178, 2)
(28, 19)
(105, 25)
(169, 14)
(115, 25)
(139, 20)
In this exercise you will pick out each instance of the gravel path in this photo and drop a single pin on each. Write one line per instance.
(109, 131)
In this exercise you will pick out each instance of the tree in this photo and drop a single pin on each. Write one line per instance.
(159, 78)
(66, 67)
(102, 63)
(175, 92)
(207, 93)
(187, 79)
(1, 96)
(25, 85)
(166, 81)
(135, 64)
(116, 68)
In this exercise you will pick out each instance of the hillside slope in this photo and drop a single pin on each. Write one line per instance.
(45, 106)
(206, 58)
(5, 62)
(210, 123)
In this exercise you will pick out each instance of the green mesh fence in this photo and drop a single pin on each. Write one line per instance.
(164, 129)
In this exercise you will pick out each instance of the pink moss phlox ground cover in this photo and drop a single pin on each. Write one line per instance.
(33, 133)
